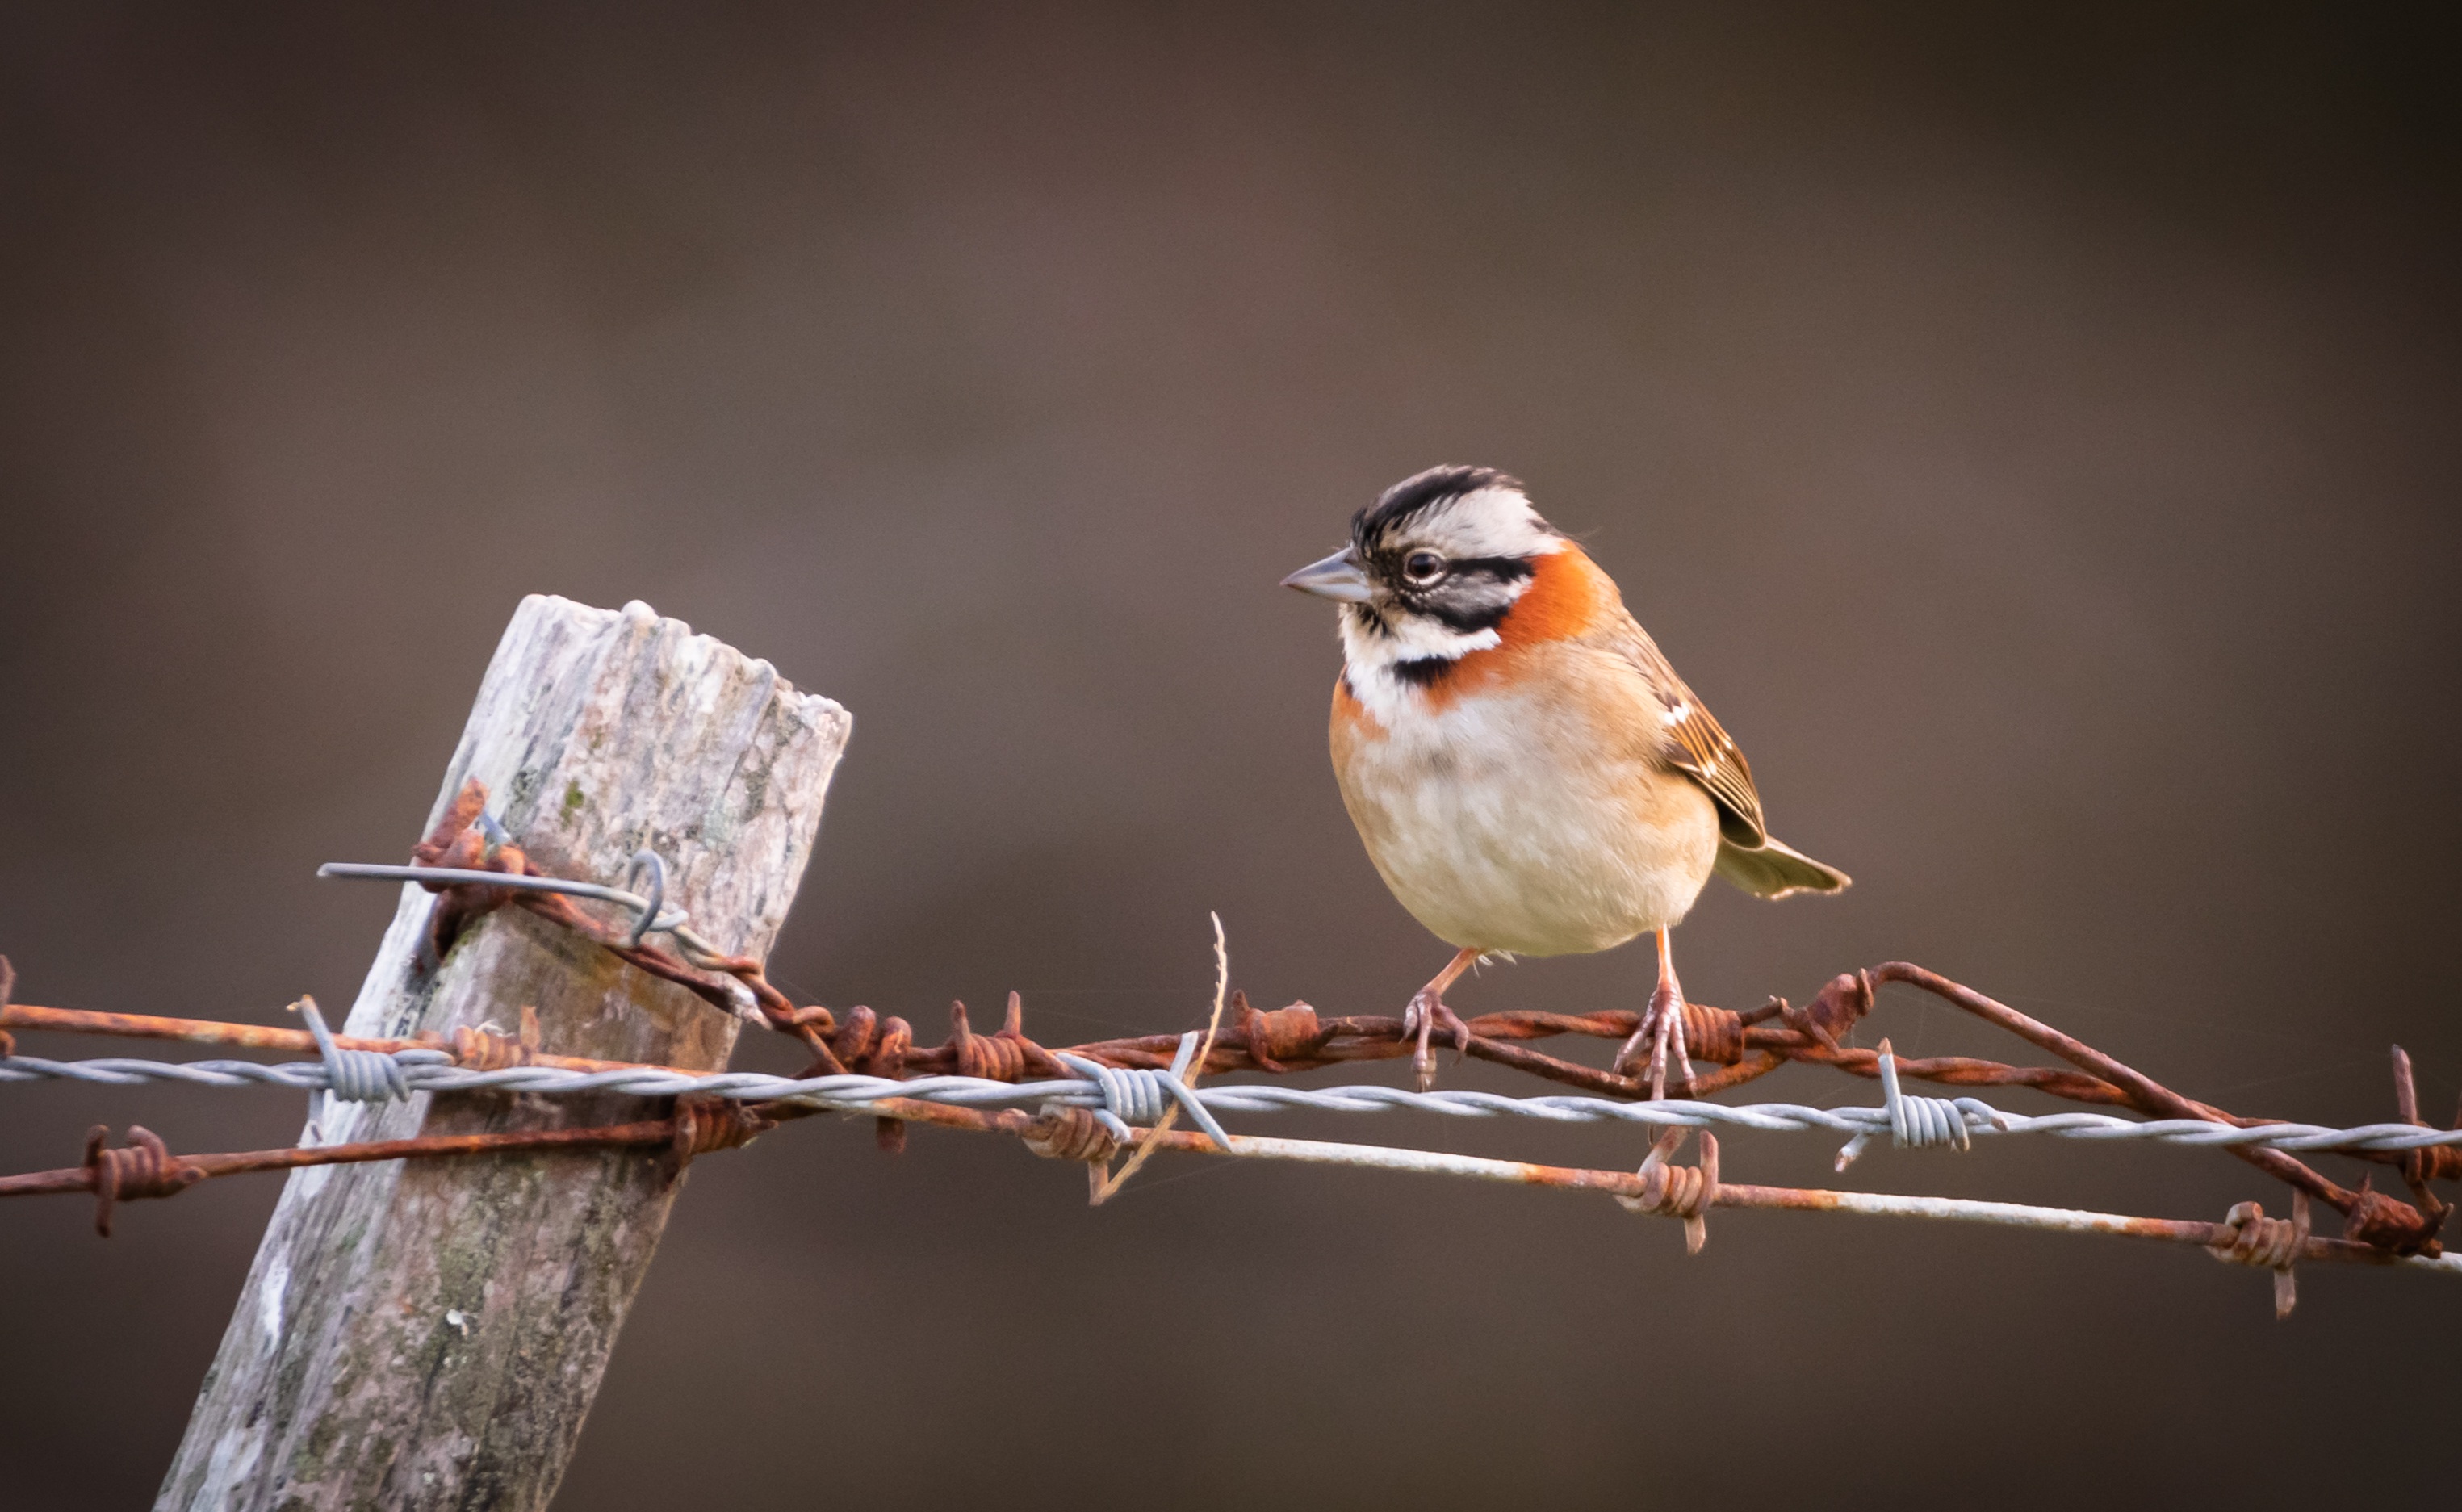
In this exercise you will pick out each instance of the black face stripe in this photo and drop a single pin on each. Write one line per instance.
(1414, 494)
(1468, 619)
(1475, 594)
(1502, 569)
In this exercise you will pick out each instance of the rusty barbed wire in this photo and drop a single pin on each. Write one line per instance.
(144, 1167)
(864, 1061)
(1122, 1097)
(2391, 1142)
(2245, 1236)
(467, 843)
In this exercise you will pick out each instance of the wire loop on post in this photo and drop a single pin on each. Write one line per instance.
(672, 920)
(650, 861)
(486, 1049)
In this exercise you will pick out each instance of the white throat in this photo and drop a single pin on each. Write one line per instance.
(1369, 655)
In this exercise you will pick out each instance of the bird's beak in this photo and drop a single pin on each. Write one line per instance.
(1338, 576)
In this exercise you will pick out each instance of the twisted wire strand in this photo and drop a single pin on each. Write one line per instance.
(430, 1071)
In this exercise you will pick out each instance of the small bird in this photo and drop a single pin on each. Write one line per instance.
(1529, 775)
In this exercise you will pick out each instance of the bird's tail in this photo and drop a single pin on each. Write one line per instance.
(1771, 870)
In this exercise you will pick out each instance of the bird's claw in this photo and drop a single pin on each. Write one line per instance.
(1422, 1021)
(1661, 1034)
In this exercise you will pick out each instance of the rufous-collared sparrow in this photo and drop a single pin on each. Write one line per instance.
(1528, 774)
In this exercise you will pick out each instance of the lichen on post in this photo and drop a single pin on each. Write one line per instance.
(431, 1334)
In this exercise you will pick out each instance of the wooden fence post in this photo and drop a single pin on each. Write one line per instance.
(430, 1333)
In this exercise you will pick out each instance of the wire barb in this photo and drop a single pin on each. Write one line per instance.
(1138, 1096)
(357, 1076)
(1007, 1056)
(1285, 1034)
(2430, 1163)
(1679, 1191)
(144, 1167)
(1186, 1065)
(1065, 1132)
(2271, 1242)
(705, 1125)
(1916, 1122)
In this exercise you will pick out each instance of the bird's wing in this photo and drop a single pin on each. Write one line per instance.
(1695, 745)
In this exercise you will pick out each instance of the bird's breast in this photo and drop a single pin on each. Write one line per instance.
(1526, 814)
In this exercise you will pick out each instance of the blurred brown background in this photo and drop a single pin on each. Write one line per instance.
(2034, 434)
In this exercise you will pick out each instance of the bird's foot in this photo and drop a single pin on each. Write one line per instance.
(1658, 1044)
(1424, 1019)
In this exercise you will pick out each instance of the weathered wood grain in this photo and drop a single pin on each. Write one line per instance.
(430, 1334)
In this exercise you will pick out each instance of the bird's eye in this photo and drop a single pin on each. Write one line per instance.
(1423, 567)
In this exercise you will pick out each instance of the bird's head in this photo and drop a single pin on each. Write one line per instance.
(1434, 565)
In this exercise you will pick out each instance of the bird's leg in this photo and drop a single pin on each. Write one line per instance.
(1662, 1029)
(1428, 1012)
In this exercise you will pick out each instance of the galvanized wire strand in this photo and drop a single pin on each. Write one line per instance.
(647, 911)
(650, 915)
(431, 1070)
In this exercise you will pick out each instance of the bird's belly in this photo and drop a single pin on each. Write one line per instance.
(1500, 828)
